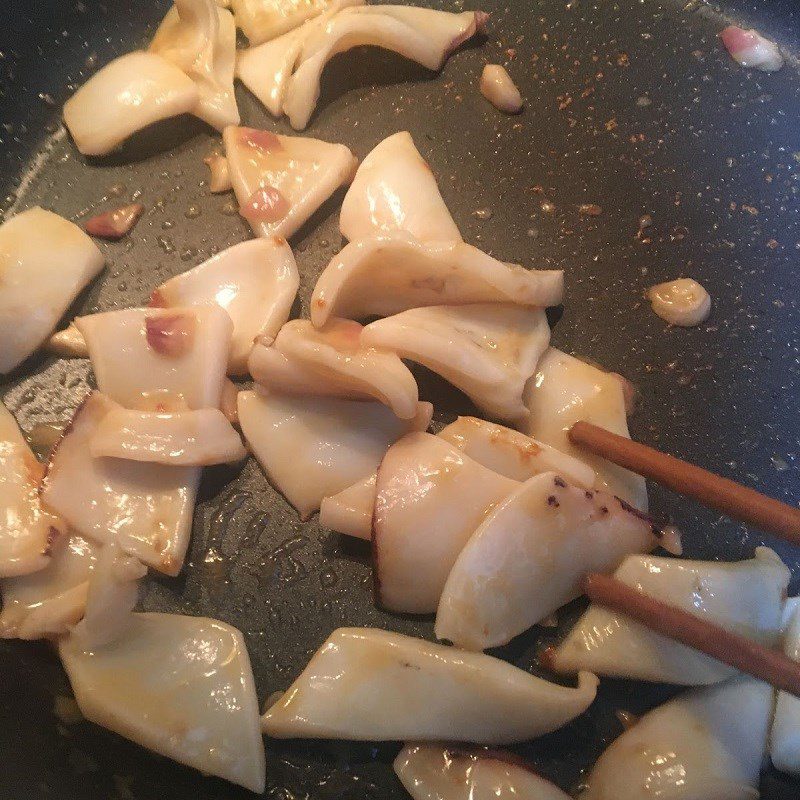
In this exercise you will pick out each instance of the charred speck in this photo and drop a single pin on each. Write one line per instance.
(552, 501)
(589, 495)
(635, 511)
(604, 509)
(409, 665)
(560, 482)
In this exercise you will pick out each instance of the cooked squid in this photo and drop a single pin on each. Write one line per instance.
(114, 224)
(255, 282)
(751, 49)
(146, 508)
(333, 362)
(350, 510)
(312, 447)
(125, 96)
(385, 276)
(153, 358)
(368, 684)
(448, 772)
(785, 738)
(180, 686)
(565, 390)
(394, 190)
(489, 351)
(264, 20)
(429, 500)
(706, 744)
(219, 177)
(498, 88)
(280, 181)
(529, 557)
(682, 302)
(68, 343)
(45, 262)
(745, 597)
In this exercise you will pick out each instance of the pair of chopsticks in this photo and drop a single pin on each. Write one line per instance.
(733, 500)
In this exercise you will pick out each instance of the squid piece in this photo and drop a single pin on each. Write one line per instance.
(332, 362)
(437, 772)
(179, 686)
(219, 177)
(682, 302)
(255, 282)
(429, 500)
(384, 276)
(182, 439)
(500, 90)
(280, 181)
(27, 531)
(785, 738)
(146, 508)
(45, 262)
(68, 343)
(265, 20)
(199, 38)
(394, 190)
(150, 358)
(350, 511)
(529, 557)
(124, 97)
(565, 390)
(487, 351)
(49, 602)
(706, 744)
(312, 447)
(368, 684)
(420, 34)
(751, 49)
(745, 597)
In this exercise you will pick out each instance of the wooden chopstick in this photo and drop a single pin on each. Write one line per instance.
(768, 665)
(729, 497)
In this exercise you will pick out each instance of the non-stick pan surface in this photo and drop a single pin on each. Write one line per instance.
(633, 106)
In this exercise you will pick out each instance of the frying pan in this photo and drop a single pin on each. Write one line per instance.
(630, 105)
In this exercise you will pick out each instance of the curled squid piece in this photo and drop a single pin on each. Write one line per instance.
(160, 359)
(419, 34)
(333, 362)
(280, 181)
(350, 510)
(706, 744)
(565, 390)
(394, 190)
(488, 351)
(368, 684)
(179, 686)
(312, 447)
(265, 20)
(45, 262)
(145, 508)
(255, 282)
(448, 772)
(429, 500)
(68, 343)
(529, 557)
(785, 738)
(384, 276)
(745, 597)
(125, 96)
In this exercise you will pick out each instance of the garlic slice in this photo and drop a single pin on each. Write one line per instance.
(368, 684)
(395, 190)
(312, 447)
(785, 737)
(45, 262)
(682, 302)
(255, 282)
(264, 20)
(489, 351)
(180, 686)
(125, 96)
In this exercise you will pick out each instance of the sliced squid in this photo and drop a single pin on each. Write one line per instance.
(280, 181)
(146, 508)
(264, 20)
(368, 684)
(489, 351)
(333, 362)
(125, 96)
(184, 438)
(180, 686)
(350, 511)
(420, 34)
(785, 738)
(394, 190)
(68, 343)
(219, 177)
(565, 390)
(147, 358)
(49, 602)
(45, 262)
(706, 744)
(385, 276)
(429, 500)
(529, 557)
(199, 37)
(312, 447)
(744, 597)
(27, 531)
(448, 772)
(751, 49)
(500, 90)
(255, 282)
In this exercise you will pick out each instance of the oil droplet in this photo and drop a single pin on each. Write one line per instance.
(780, 464)
(117, 190)
(230, 209)
(166, 244)
(188, 253)
(167, 224)
(533, 233)
(193, 212)
(644, 101)
(328, 578)
(324, 243)
(483, 214)
(548, 207)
